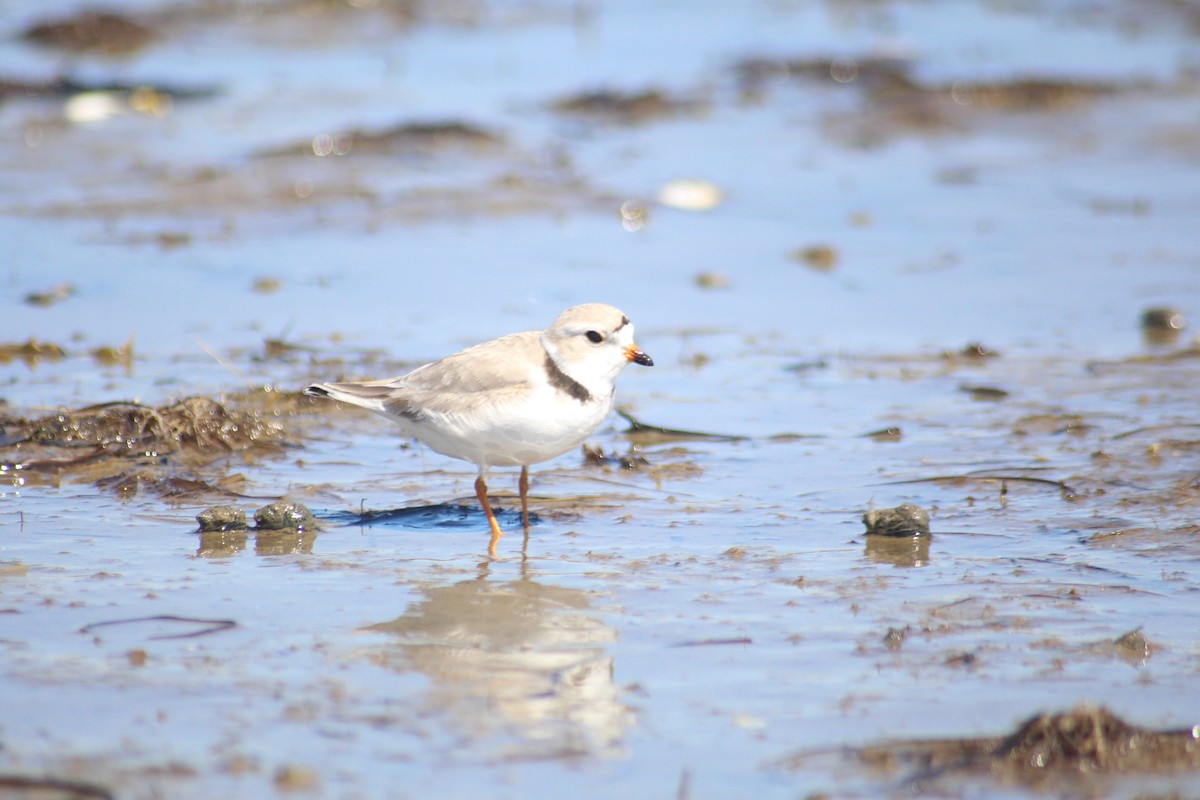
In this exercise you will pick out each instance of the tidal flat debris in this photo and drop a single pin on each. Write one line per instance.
(419, 139)
(55, 294)
(820, 257)
(625, 107)
(711, 280)
(893, 97)
(972, 351)
(296, 778)
(1133, 647)
(985, 393)
(1024, 94)
(892, 433)
(29, 786)
(109, 355)
(630, 460)
(31, 351)
(285, 515)
(646, 433)
(894, 638)
(221, 518)
(284, 527)
(1162, 325)
(875, 73)
(1163, 318)
(169, 487)
(89, 100)
(1093, 739)
(266, 284)
(197, 423)
(1051, 751)
(905, 519)
(128, 447)
(101, 32)
(203, 627)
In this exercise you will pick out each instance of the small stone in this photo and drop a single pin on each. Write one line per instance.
(1161, 327)
(974, 350)
(221, 518)
(266, 284)
(284, 515)
(992, 393)
(1134, 646)
(894, 638)
(295, 778)
(892, 433)
(711, 280)
(1163, 319)
(13, 569)
(903, 520)
(821, 257)
(55, 294)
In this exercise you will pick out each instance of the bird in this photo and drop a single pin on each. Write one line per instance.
(514, 401)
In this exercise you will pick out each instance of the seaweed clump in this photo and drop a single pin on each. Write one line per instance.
(195, 429)
(197, 423)
(1047, 751)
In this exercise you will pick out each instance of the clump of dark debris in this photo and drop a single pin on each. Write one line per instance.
(284, 515)
(221, 518)
(196, 422)
(423, 139)
(896, 98)
(630, 460)
(102, 32)
(905, 519)
(31, 351)
(284, 527)
(626, 107)
(194, 430)
(1055, 749)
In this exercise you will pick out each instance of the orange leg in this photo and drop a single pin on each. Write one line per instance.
(523, 485)
(481, 493)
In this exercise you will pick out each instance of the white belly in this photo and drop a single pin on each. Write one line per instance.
(538, 428)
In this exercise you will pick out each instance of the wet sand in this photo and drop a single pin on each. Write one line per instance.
(882, 254)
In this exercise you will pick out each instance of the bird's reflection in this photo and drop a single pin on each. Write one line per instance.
(520, 664)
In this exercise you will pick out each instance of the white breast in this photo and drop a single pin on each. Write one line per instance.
(541, 425)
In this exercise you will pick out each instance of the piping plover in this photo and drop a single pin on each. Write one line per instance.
(514, 401)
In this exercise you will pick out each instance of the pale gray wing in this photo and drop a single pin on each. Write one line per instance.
(499, 364)
(491, 373)
(487, 372)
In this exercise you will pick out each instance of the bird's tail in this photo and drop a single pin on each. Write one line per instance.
(365, 395)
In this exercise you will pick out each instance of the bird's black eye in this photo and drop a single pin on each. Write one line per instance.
(594, 337)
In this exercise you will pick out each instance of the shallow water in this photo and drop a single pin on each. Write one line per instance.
(713, 623)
